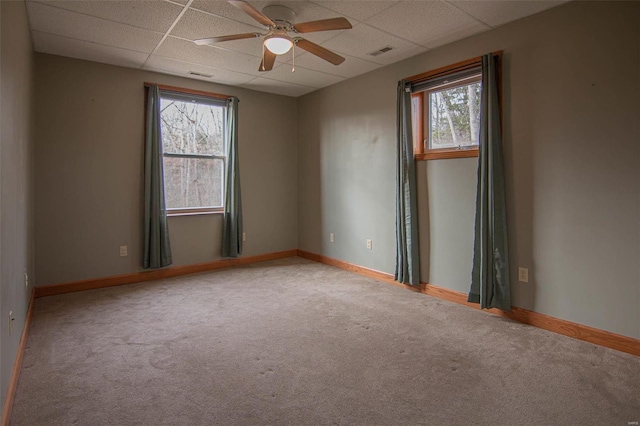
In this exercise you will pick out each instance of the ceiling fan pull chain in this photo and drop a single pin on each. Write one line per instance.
(293, 68)
(262, 62)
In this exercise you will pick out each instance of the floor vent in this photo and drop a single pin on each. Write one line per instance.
(380, 51)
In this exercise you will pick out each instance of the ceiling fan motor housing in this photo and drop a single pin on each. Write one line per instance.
(281, 15)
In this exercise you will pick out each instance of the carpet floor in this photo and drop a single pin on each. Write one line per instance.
(293, 342)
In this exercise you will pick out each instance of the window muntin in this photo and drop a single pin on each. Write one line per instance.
(193, 151)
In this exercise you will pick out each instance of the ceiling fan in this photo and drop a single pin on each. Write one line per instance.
(281, 33)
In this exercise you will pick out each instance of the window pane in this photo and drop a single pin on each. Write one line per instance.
(193, 182)
(191, 128)
(454, 117)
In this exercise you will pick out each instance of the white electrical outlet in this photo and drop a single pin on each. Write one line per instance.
(124, 251)
(369, 245)
(26, 279)
(244, 236)
(523, 275)
(10, 322)
(332, 237)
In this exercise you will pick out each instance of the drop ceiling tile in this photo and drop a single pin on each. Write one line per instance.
(150, 15)
(363, 39)
(305, 11)
(252, 46)
(172, 66)
(74, 25)
(458, 34)
(302, 76)
(230, 60)
(422, 21)
(226, 10)
(62, 46)
(351, 67)
(195, 25)
(358, 9)
(321, 37)
(123, 32)
(496, 13)
(278, 87)
(400, 55)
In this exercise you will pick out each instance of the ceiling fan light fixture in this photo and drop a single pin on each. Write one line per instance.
(278, 44)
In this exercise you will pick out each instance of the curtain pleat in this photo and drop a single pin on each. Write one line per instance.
(490, 274)
(232, 219)
(407, 244)
(157, 249)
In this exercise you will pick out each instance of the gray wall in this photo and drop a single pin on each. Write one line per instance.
(346, 170)
(89, 168)
(572, 154)
(16, 169)
(447, 213)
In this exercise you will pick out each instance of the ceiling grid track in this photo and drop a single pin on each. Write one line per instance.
(450, 3)
(164, 37)
(159, 36)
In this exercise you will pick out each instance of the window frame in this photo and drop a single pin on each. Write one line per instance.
(190, 211)
(420, 124)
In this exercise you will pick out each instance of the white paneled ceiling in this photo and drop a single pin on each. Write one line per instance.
(158, 35)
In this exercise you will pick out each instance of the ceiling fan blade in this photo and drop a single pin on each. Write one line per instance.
(319, 51)
(323, 25)
(212, 40)
(268, 60)
(253, 12)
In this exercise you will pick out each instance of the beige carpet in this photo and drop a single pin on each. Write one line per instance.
(293, 342)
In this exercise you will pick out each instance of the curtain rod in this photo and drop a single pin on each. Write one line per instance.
(459, 66)
(188, 91)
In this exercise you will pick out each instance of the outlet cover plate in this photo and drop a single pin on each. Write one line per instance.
(523, 275)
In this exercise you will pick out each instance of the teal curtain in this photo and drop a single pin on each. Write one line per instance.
(407, 248)
(490, 274)
(232, 219)
(157, 250)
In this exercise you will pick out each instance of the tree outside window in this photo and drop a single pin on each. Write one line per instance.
(194, 154)
(454, 117)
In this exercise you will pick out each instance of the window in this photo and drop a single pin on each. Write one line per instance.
(193, 142)
(454, 115)
(446, 111)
